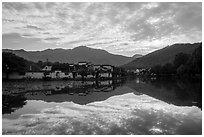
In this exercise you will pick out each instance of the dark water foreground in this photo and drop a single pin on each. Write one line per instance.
(131, 106)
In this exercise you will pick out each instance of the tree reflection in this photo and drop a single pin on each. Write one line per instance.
(11, 103)
(80, 92)
(86, 87)
(183, 89)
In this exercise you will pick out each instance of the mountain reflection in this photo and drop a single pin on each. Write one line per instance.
(172, 91)
(124, 114)
(180, 92)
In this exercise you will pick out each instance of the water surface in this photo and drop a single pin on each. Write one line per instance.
(132, 106)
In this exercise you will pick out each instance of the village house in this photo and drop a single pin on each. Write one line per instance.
(34, 74)
(105, 70)
(47, 68)
(62, 71)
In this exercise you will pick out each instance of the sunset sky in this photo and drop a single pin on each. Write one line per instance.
(119, 28)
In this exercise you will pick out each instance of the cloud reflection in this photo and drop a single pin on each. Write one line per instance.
(123, 114)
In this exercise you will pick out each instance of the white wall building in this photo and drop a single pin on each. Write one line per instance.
(34, 75)
(59, 74)
(47, 68)
(105, 75)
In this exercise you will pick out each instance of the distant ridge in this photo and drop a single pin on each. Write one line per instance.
(161, 56)
(137, 56)
(81, 53)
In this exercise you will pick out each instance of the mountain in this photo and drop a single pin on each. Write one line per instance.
(161, 56)
(137, 56)
(81, 53)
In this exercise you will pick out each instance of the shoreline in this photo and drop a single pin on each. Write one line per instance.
(64, 79)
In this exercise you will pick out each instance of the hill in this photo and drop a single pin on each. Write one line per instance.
(82, 53)
(137, 56)
(162, 56)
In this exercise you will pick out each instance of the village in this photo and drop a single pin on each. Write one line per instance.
(80, 70)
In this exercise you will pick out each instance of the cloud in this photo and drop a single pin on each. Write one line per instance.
(33, 27)
(52, 38)
(88, 23)
(13, 40)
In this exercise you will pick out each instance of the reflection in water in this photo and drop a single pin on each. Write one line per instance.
(74, 91)
(10, 103)
(173, 91)
(102, 107)
(123, 114)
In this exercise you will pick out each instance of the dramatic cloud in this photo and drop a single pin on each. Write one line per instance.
(120, 28)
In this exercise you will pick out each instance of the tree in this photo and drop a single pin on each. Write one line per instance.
(157, 69)
(183, 64)
(181, 70)
(180, 59)
(40, 64)
(195, 62)
(12, 63)
(168, 69)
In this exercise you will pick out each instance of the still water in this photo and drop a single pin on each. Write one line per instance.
(131, 106)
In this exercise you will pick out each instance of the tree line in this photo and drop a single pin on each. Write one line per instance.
(12, 63)
(182, 65)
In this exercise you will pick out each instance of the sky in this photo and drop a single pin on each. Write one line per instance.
(119, 28)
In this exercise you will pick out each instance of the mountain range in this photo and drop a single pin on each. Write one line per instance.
(81, 53)
(99, 56)
(137, 56)
(161, 56)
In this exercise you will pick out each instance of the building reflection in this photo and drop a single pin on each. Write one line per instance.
(172, 91)
(80, 92)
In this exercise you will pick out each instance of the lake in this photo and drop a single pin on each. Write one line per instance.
(140, 106)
